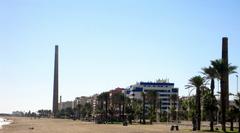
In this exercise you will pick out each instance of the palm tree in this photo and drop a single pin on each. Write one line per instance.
(159, 106)
(100, 108)
(143, 107)
(78, 109)
(137, 108)
(174, 99)
(129, 109)
(118, 102)
(197, 82)
(232, 113)
(152, 99)
(237, 103)
(106, 99)
(183, 108)
(191, 107)
(86, 111)
(211, 74)
(223, 69)
(210, 105)
(103, 98)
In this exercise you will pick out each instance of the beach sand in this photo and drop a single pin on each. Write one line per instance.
(28, 125)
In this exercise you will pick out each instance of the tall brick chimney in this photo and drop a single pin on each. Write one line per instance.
(55, 84)
(226, 74)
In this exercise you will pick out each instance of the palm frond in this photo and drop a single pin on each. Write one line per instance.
(188, 86)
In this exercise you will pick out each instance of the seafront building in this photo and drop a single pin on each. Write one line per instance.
(79, 101)
(94, 103)
(115, 91)
(87, 99)
(65, 105)
(82, 100)
(164, 91)
(163, 88)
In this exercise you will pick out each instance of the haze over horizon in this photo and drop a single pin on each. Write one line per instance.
(104, 45)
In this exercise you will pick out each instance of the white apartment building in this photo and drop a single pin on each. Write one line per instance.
(87, 99)
(163, 89)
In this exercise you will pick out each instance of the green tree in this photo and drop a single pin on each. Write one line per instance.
(183, 108)
(78, 110)
(137, 109)
(211, 74)
(199, 83)
(223, 69)
(192, 106)
(152, 100)
(143, 107)
(159, 106)
(174, 99)
(129, 109)
(106, 100)
(44, 113)
(232, 113)
(210, 106)
(118, 104)
(100, 104)
(237, 103)
(103, 102)
(87, 110)
(69, 113)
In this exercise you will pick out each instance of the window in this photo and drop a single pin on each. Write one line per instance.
(174, 90)
(164, 95)
(165, 99)
(165, 103)
(137, 89)
(164, 90)
(164, 108)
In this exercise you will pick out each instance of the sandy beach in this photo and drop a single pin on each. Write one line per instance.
(28, 125)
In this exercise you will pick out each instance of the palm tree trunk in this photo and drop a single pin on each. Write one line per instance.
(151, 115)
(231, 125)
(238, 124)
(211, 112)
(143, 114)
(198, 109)
(119, 111)
(140, 119)
(154, 109)
(223, 104)
(123, 110)
(211, 125)
(160, 112)
(106, 112)
(174, 112)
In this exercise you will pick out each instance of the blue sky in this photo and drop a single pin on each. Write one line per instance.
(108, 44)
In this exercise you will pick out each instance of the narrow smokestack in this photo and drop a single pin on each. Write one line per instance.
(225, 49)
(55, 83)
(226, 74)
